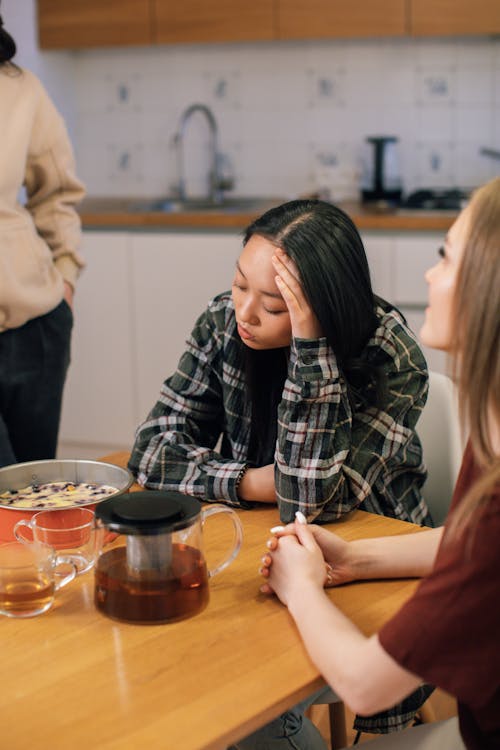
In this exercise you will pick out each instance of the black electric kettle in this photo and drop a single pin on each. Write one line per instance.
(381, 181)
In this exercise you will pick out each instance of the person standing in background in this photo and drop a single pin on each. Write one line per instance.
(39, 261)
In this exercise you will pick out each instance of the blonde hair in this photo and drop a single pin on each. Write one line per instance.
(476, 368)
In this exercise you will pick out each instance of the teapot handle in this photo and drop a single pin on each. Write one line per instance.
(238, 534)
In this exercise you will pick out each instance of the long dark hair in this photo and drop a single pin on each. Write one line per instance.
(329, 254)
(7, 45)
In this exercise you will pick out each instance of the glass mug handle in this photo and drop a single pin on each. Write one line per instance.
(238, 534)
(64, 560)
(18, 533)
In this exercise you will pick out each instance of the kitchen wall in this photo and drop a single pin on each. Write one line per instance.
(57, 70)
(292, 115)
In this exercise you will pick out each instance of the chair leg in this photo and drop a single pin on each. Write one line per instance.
(338, 730)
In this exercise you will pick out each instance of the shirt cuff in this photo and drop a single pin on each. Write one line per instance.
(69, 268)
(224, 484)
(313, 360)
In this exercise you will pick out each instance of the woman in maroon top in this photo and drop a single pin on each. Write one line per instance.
(448, 633)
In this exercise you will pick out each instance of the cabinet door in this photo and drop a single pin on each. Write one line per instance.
(99, 404)
(213, 20)
(297, 19)
(380, 255)
(174, 276)
(413, 256)
(451, 17)
(93, 23)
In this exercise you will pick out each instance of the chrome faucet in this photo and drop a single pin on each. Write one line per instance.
(216, 183)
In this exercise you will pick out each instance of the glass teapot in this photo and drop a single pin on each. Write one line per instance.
(151, 566)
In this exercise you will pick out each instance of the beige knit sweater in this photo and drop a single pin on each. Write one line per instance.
(38, 241)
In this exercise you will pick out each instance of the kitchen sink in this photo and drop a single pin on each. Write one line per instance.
(230, 204)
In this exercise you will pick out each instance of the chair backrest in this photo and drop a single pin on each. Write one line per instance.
(439, 431)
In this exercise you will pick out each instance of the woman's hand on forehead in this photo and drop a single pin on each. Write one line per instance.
(305, 324)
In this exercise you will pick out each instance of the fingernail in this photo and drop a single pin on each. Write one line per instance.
(300, 517)
(276, 529)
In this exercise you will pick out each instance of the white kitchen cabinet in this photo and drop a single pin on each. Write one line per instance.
(380, 254)
(136, 303)
(139, 298)
(99, 402)
(414, 255)
(174, 275)
(398, 262)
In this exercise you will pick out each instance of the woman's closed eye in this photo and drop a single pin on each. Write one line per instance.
(275, 312)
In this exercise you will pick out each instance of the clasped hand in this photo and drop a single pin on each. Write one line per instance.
(299, 555)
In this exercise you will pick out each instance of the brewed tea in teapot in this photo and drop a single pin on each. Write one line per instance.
(151, 567)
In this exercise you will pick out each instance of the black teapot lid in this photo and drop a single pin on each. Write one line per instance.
(149, 512)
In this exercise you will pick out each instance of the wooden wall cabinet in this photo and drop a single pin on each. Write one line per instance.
(315, 19)
(72, 24)
(212, 20)
(454, 17)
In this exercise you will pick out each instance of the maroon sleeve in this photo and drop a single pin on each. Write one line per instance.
(448, 632)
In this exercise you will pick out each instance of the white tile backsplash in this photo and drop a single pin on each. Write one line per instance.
(474, 124)
(279, 105)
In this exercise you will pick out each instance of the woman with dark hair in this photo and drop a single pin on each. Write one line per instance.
(447, 632)
(311, 383)
(39, 262)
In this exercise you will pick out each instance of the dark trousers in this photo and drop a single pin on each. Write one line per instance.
(34, 361)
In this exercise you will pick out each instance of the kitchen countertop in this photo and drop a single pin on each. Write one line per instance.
(121, 213)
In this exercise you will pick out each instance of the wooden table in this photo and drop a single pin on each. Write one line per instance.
(74, 679)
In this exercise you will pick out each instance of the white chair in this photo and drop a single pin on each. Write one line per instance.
(439, 431)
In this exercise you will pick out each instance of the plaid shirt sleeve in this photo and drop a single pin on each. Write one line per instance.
(175, 447)
(330, 460)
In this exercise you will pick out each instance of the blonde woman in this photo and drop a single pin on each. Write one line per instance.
(447, 634)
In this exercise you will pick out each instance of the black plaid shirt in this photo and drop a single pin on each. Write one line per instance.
(328, 460)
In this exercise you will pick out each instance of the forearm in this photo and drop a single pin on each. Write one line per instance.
(409, 555)
(192, 470)
(181, 459)
(257, 485)
(356, 667)
(314, 433)
(53, 191)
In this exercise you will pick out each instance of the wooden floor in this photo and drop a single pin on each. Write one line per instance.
(440, 705)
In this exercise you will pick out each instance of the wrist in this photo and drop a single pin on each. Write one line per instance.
(239, 479)
(360, 559)
(302, 596)
(257, 485)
